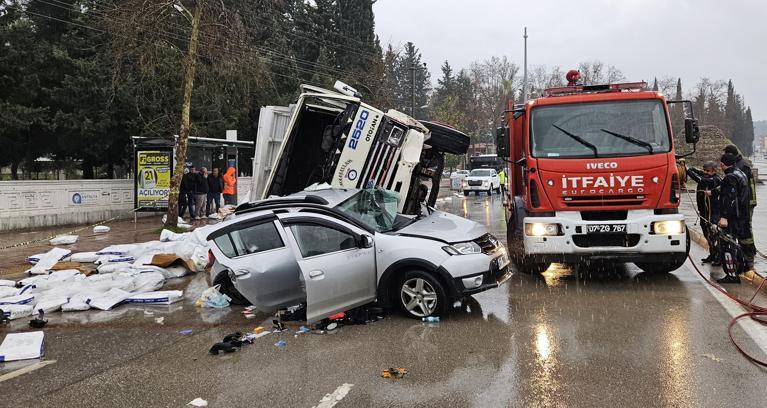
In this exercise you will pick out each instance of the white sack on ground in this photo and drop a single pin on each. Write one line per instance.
(120, 249)
(22, 346)
(109, 299)
(48, 305)
(84, 257)
(168, 235)
(165, 218)
(149, 281)
(47, 261)
(101, 229)
(115, 267)
(33, 259)
(6, 291)
(162, 297)
(76, 303)
(22, 299)
(106, 259)
(64, 240)
(7, 282)
(13, 312)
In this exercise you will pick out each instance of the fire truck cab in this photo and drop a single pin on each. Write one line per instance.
(593, 177)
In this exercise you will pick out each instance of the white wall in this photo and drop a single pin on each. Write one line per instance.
(34, 204)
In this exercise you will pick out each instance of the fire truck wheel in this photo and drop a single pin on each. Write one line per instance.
(660, 267)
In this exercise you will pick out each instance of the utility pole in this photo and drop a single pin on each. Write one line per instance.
(412, 89)
(524, 79)
(183, 136)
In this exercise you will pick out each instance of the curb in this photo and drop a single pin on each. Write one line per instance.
(752, 277)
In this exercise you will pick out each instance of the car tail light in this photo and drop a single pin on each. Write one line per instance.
(211, 259)
(534, 199)
(674, 192)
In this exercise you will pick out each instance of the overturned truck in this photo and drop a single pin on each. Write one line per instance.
(335, 138)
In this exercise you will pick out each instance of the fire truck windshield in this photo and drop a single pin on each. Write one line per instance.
(614, 128)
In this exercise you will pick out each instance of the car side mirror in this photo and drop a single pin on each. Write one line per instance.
(691, 131)
(365, 241)
(502, 141)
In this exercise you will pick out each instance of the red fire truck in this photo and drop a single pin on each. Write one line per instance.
(593, 177)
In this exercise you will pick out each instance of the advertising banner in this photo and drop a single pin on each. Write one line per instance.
(152, 176)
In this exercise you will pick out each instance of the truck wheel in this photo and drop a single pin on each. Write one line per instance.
(446, 139)
(669, 266)
(227, 288)
(419, 294)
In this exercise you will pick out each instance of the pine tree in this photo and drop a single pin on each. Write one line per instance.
(677, 110)
(655, 85)
(748, 133)
(414, 82)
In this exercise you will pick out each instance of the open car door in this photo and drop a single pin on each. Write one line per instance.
(337, 262)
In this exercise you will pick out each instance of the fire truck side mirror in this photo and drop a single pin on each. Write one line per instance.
(691, 131)
(502, 141)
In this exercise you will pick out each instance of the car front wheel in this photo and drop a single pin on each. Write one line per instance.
(420, 295)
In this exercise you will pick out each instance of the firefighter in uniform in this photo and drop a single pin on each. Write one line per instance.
(747, 243)
(707, 197)
(734, 217)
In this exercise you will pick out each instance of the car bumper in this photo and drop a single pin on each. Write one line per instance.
(494, 271)
(467, 187)
(634, 245)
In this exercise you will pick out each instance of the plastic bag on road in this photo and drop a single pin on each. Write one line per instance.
(47, 261)
(64, 240)
(200, 258)
(211, 297)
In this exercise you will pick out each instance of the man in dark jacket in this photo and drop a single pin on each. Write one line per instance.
(733, 213)
(215, 186)
(707, 197)
(749, 248)
(186, 192)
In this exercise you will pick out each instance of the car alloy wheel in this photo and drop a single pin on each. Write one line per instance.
(418, 297)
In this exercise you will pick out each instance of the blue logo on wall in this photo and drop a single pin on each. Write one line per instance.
(77, 198)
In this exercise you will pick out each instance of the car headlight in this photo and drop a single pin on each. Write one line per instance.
(463, 248)
(541, 229)
(668, 227)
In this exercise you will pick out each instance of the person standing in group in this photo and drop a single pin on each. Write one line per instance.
(215, 186)
(733, 218)
(182, 190)
(187, 190)
(707, 197)
(200, 193)
(230, 186)
(749, 247)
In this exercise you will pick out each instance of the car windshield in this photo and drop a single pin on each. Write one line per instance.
(481, 173)
(375, 208)
(600, 129)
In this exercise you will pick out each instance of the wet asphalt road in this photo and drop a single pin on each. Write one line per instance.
(610, 337)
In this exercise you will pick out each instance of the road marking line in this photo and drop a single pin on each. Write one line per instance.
(25, 370)
(754, 330)
(330, 400)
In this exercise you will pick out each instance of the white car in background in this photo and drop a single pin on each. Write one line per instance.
(482, 180)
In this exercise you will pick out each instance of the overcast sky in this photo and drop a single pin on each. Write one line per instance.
(683, 38)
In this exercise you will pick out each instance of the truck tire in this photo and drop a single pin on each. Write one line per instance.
(666, 266)
(446, 139)
(515, 244)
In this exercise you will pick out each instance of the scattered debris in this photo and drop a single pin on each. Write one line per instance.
(330, 400)
(398, 372)
(431, 319)
(198, 402)
(281, 344)
(712, 357)
(185, 331)
(258, 330)
(38, 322)
(159, 320)
(148, 313)
(22, 346)
(303, 329)
(225, 347)
(211, 297)
(278, 326)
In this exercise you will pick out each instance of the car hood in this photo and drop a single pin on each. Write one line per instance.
(445, 227)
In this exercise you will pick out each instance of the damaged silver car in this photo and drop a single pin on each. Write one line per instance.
(336, 249)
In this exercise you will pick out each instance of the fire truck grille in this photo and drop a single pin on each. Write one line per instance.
(598, 201)
(606, 240)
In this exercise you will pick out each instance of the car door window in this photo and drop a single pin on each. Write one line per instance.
(256, 238)
(314, 239)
